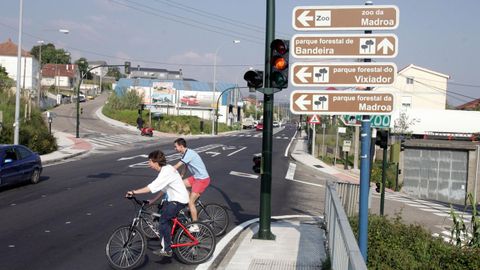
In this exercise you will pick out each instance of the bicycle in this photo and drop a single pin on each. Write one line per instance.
(212, 214)
(127, 245)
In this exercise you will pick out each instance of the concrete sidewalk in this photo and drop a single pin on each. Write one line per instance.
(68, 147)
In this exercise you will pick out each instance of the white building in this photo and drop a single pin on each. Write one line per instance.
(418, 88)
(421, 99)
(99, 71)
(29, 73)
(60, 75)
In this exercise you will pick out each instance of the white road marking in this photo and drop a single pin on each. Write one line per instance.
(291, 171)
(247, 175)
(214, 154)
(132, 157)
(306, 183)
(233, 153)
(288, 147)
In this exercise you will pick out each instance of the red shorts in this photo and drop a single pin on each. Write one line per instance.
(198, 185)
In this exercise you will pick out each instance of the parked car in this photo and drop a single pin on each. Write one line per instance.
(189, 100)
(259, 126)
(276, 124)
(18, 163)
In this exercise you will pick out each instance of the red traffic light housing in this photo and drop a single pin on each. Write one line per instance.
(279, 61)
(254, 79)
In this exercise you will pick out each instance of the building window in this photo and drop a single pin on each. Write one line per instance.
(409, 80)
(406, 103)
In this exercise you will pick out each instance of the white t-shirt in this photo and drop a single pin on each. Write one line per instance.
(170, 182)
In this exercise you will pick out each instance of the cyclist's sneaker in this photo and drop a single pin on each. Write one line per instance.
(194, 228)
(164, 253)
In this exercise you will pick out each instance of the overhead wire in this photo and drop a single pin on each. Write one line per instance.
(34, 37)
(186, 21)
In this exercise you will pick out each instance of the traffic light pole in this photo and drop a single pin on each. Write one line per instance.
(264, 231)
(218, 101)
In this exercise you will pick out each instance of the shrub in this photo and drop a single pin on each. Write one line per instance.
(394, 245)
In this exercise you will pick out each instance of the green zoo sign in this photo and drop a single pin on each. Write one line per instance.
(378, 121)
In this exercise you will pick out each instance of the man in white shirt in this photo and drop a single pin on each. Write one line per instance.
(169, 182)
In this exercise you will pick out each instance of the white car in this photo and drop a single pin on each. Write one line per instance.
(276, 124)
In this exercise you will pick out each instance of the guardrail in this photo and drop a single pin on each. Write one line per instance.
(342, 245)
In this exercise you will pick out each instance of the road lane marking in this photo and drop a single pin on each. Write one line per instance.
(288, 147)
(247, 175)
(306, 183)
(233, 153)
(291, 171)
(213, 154)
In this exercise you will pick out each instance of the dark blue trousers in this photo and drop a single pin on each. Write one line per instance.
(168, 211)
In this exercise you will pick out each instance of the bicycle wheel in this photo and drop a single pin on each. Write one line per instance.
(126, 248)
(197, 253)
(216, 216)
(149, 224)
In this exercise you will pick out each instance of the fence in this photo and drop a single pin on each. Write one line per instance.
(342, 245)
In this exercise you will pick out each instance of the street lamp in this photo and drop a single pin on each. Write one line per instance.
(16, 124)
(236, 41)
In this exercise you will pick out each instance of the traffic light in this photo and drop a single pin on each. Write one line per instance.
(254, 79)
(127, 67)
(257, 163)
(279, 60)
(382, 138)
(402, 145)
(378, 185)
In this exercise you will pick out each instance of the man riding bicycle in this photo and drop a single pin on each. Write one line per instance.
(199, 180)
(170, 182)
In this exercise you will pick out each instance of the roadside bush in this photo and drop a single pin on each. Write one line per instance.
(394, 245)
(33, 133)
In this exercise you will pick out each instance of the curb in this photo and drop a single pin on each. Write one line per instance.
(54, 160)
(230, 238)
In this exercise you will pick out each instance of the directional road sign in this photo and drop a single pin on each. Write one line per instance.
(313, 18)
(377, 121)
(343, 74)
(340, 102)
(345, 46)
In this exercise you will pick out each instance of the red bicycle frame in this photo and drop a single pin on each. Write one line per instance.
(178, 223)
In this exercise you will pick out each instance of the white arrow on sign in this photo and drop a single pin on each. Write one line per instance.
(128, 158)
(214, 154)
(384, 45)
(301, 102)
(304, 19)
(301, 75)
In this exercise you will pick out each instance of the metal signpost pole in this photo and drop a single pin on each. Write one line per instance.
(365, 164)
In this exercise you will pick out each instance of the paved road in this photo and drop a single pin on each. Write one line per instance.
(64, 221)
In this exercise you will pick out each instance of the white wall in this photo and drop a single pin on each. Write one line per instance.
(29, 70)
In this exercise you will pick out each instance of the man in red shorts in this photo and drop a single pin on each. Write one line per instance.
(199, 180)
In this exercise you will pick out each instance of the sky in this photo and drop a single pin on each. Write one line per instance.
(439, 35)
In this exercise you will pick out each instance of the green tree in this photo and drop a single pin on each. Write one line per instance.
(51, 55)
(82, 64)
(5, 81)
(114, 72)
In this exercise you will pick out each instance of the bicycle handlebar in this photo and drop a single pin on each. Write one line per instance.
(139, 202)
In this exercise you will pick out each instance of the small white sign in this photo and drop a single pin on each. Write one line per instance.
(342, 130)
